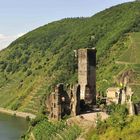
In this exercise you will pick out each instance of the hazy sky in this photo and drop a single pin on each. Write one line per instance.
(20, 16)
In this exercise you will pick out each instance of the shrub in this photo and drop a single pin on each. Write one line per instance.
(38, 119)
(29, 72)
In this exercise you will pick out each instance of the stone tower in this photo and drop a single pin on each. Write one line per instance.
(87, 74)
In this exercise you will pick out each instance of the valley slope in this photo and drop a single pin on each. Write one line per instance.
(37, 61)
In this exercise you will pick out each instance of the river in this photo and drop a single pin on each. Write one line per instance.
(11, 128)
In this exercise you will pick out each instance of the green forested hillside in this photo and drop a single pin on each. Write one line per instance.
(35, 62)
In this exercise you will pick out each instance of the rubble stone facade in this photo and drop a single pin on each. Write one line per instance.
(63, 102)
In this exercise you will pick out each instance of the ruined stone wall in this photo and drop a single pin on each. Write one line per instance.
(54, 103)
(75, 100)
(61, 102)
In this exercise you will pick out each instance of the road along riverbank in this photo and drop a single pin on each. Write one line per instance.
(17, 113)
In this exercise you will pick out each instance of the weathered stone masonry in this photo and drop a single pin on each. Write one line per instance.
(62, 102)
(87, 74)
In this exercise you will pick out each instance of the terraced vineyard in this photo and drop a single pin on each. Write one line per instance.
(131, 59)
(132, 54)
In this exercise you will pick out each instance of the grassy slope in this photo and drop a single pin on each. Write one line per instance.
(42, 129)
(134, 59)
(110, 130)
(42, 58)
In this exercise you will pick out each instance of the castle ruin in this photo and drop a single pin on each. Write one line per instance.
(67, 100)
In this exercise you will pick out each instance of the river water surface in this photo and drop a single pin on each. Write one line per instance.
(11, 128)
